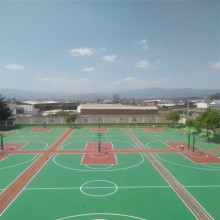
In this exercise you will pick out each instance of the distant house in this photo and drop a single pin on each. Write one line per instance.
(107, 101)
(215, 104)
(41, 105)
(149, 103)
(202, 105)
(48, 105)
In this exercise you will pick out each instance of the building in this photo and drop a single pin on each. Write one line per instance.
(115, 109)
(149, 102)
(202, 105)
(215, 104)
(49, 105)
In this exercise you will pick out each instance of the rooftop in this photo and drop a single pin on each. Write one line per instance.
(39, 102)
(115, 106)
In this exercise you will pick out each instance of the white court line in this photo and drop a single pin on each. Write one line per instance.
(23, 188)
(99, 168)
(119, 187)
(5, 157)
(174, 188)
(217, 168)
(199, 157)
(111, 214)
(84, 170)
(186, 191)
(103, 187)
(99, 195)
(2, 168)
(29, 180)
(198, 168)
(14, 181)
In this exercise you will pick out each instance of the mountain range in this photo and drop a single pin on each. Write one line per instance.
(149, 93)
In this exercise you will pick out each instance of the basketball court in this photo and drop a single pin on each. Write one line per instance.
(132, 174)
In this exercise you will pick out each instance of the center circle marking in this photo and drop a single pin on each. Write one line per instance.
(85, 186)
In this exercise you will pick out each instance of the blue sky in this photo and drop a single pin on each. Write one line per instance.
(93, 46)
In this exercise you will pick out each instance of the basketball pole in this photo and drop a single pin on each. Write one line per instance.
(2, 147)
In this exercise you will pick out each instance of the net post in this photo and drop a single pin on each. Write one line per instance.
(99, 147)
(194, 140)
(99, 144)
(188, 140)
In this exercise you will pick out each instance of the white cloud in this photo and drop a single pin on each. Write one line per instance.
(89, 69)
(117, 82)
(143, 44)
(14, 66)
(129, 79)
(145, 47)
(144, 41)
(82, 52)
(135, 83)
(216, 65)
(57, 80)
(110, 58)
(158, 61)
(144, 64)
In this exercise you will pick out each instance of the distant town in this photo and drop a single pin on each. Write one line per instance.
(110, 110)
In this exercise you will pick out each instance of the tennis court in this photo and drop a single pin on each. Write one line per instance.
(66, 177)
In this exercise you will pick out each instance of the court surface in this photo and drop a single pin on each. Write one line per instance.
(66, 174)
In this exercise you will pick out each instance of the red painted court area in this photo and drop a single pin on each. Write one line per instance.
(199, 156)
(152, 129)
(41, 129)
(99, 129)
(10, 148)
(104, 157)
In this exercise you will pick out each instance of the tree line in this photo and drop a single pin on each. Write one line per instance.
(208, 120)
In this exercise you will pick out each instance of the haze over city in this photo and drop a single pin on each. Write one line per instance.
(95, 46)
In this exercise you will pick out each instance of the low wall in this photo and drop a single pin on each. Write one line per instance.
(119, 119)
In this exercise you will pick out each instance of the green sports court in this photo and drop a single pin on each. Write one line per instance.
(111, 173)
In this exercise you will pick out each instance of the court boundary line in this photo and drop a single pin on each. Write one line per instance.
(198, 168)
(119, 187)
(18, 177)
(21, 190)
(153, 160)
(94, 187)
(48, 153)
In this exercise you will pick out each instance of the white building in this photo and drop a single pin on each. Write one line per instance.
(203, 105)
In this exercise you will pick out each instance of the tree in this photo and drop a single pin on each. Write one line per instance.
(209, 120)
(116, 98)
(189, 123)
(5, 112)
(197, 124)
(215, 96)
(173, 116)
(71, 118)
(62, 106)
